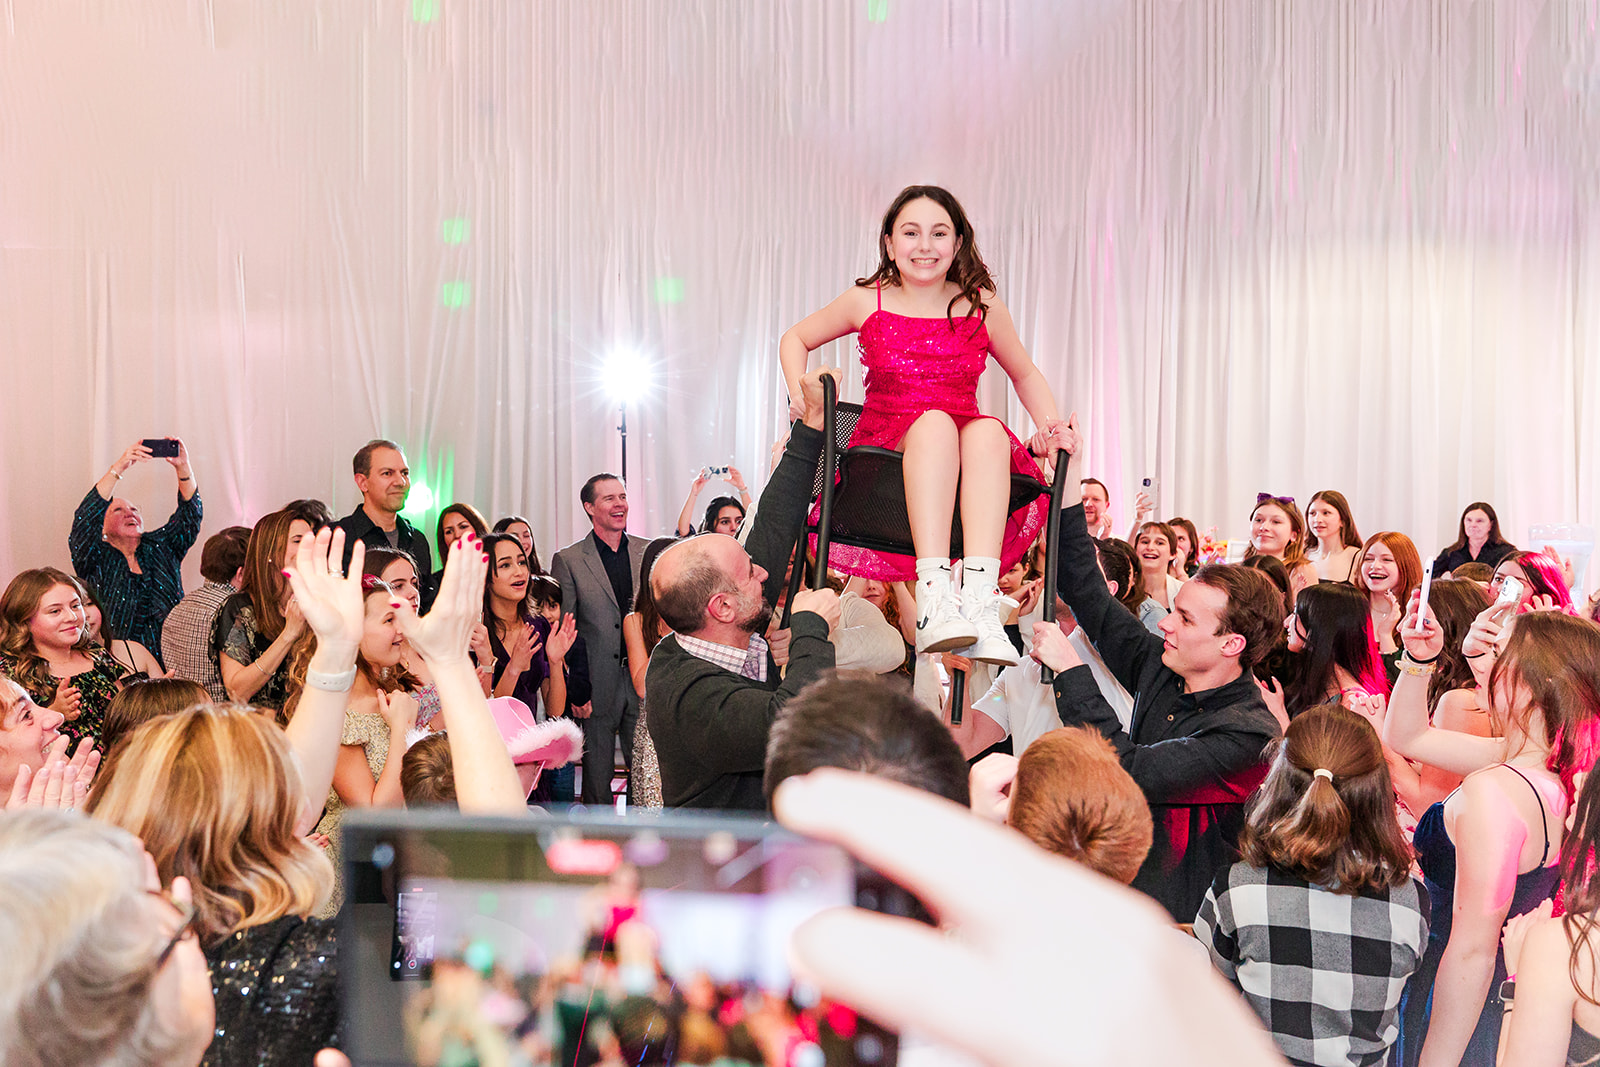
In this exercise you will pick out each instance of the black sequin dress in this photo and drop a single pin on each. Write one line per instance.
(277, 994)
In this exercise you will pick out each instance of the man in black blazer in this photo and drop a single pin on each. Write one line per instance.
(1199, 721)
(598, 576)
(713, 689)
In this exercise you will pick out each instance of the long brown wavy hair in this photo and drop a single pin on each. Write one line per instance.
(1580, 881)
(1338, 833)
(18, 604)
(1557, 657)
(1455, 603)
(967, 270)
(263, 583)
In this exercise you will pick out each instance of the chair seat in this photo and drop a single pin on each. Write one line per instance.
(869, 504)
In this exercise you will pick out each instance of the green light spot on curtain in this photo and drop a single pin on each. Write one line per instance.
(669, 290)
(454, 231)
(455, 294)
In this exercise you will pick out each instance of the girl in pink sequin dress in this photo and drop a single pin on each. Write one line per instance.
(928, 321)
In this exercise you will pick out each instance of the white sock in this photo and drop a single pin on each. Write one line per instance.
(979, 575)
(932, 569)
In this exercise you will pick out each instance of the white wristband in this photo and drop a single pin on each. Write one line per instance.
(331, 683)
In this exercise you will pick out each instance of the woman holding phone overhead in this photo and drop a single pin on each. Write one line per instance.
(137, 573)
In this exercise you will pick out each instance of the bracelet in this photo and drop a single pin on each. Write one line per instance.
(185, 479)
(1422, 662)
(1417, 670)
(488, 668)
(115, 474)
(331, 683)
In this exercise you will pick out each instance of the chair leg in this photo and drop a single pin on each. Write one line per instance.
(958, 696)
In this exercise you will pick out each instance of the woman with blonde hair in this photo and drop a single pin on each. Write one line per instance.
(219, 799)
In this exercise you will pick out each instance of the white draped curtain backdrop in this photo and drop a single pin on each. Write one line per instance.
(1255, 245)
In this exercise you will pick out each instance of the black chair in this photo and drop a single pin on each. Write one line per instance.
(862, 502)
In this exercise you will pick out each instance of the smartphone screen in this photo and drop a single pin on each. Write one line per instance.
(592, 939)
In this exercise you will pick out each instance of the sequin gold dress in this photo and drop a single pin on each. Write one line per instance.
(913, 366)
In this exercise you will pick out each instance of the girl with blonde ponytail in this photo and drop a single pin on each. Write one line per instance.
(1321, 923)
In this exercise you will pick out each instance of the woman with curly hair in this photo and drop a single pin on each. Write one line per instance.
(45, 648)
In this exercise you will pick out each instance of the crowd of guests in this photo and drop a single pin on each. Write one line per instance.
(1368, 814)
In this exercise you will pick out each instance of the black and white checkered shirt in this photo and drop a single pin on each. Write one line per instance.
(1323, 970)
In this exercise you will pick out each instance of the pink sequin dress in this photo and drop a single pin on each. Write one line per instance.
(914, 365)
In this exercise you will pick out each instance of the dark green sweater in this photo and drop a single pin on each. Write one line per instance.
(710, 725)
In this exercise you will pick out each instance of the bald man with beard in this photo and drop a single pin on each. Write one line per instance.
(712, 689)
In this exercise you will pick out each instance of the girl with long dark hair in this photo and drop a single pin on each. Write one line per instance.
(929, 320)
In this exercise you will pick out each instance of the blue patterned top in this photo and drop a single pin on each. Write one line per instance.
(135, 604)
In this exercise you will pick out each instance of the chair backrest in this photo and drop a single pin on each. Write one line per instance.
(845, 417)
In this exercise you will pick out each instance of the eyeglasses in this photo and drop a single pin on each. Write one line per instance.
(186, 910)
(1268, 498)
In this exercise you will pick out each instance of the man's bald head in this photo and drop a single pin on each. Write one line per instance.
(689, 575)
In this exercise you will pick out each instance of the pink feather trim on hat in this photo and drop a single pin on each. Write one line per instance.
(553, 743)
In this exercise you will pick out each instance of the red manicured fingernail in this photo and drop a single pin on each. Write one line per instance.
(286, 572)
(485, 557)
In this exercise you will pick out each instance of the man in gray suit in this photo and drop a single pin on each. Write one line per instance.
(598, 576)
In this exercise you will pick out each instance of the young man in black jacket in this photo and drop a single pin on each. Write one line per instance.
(712, 689)
(1199, 722)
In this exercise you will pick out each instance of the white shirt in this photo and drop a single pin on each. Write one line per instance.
(1024, 707)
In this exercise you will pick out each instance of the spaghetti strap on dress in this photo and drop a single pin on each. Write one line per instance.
(913, 366)
(1436, 855)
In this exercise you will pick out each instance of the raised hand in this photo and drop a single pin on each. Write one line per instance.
(1422, 637)
(330, 602)
(1028, 596)
(1540, 602)
(562, 638)
(1487, 630)
(1143, 506)
(443, 635)
(136, 453)
(736, 479)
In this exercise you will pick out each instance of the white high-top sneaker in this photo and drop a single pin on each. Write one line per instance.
(982, 608)
(941, 627)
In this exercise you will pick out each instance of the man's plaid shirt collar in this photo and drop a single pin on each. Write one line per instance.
(751, 663)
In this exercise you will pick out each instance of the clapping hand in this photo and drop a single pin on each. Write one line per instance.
(399, 711)
(330, 601)
(68, 701)
(60, 782)
(443, 635)
(1371, 706)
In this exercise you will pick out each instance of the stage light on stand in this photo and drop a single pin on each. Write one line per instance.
(627, 378)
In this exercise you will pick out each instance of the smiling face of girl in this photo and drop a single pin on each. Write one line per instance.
(58, 622)
(1271, 532)
(923, 243)
(1379, 571)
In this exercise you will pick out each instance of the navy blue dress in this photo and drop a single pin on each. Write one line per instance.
(1436, 854)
